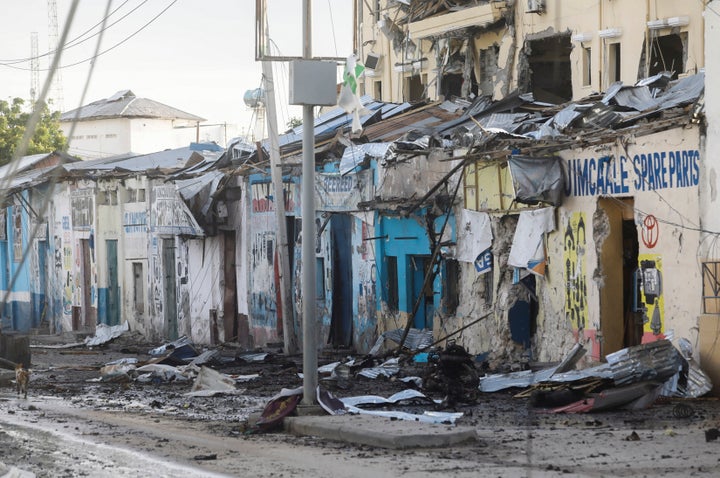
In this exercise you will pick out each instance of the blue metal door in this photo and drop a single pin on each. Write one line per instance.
(418, 269)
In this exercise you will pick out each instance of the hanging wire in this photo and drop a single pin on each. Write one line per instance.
(76, 41)
(100, 53)
(30, 128)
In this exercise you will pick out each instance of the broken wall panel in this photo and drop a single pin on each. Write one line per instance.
(200, 276)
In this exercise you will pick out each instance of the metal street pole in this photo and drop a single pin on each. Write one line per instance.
(309, 292)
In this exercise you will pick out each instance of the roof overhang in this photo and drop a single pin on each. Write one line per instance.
(480, 16)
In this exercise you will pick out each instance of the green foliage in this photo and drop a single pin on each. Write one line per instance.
(13, 120)
(294, 122)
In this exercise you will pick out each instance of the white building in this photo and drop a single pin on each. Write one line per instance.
(124, 123)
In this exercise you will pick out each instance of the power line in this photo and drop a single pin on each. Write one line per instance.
(76, 41)
(95, 56)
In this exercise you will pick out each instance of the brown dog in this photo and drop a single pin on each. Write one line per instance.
(22, 377)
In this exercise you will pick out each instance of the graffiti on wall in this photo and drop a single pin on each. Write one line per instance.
(650, 231)
(135, 222)
(82, 207)
(263, 200)
(576, 310)
(17, 233)
(3, 224)
(652, 303)
(169, 214)
(336, 192)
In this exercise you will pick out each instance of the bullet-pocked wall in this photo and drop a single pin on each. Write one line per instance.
(171, 223)
(16, 277)
(558, 50)
(622, 262)
(60, 273)
(263, 295)
(345, 253)
(109, 244)
(365, 281)
(606, 41)
(135, 246)
(83, 218)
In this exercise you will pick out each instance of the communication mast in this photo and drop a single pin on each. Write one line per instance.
(34, 67)
(57, 90)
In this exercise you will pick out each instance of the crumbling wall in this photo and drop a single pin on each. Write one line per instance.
(601, 230)
(365, 281)
(60, 280)
(492, 293)
(504, 78)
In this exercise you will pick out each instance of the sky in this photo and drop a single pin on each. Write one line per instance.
(194, 55)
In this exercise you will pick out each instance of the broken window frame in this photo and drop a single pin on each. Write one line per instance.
(658, 53)
(711, 287)
(613, 69)
(500, 198)
(586, 66)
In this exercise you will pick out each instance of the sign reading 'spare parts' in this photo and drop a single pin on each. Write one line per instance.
(650, 171)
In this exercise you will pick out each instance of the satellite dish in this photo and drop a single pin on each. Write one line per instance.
(254, 98)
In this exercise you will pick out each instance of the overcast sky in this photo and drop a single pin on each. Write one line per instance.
(198, 55)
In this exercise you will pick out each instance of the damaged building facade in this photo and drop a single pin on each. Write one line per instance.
(110, 241)
(612, 260)
(528, 173)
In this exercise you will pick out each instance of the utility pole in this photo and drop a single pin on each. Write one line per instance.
(289, 339)
(310, 361)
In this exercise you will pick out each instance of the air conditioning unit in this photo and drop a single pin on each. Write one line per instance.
(372, 61)
(536, 6)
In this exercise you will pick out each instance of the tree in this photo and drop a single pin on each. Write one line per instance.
(13, 120)
(294, 122)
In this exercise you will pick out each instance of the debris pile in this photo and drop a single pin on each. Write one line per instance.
(633, 378)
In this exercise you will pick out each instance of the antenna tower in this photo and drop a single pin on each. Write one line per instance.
(34, 67)
(57, 90)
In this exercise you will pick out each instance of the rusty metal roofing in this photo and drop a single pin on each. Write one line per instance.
(424, 119)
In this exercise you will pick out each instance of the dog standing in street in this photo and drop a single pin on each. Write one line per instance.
(22, 377)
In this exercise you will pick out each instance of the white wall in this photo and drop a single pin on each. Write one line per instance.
(710, 186)
(98, 138)
(150, 135)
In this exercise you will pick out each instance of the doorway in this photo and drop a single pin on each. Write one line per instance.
(619, 324)
(170, 286)
(522, 316)
(419, 268)
(342, 296)
(41, 310)
(113, 286)
(87, 313)
(230, 304)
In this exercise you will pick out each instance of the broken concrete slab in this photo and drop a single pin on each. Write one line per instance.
(380, 432)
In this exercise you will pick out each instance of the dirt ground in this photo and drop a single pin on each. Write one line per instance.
(157, 421)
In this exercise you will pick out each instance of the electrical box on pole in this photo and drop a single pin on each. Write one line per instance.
(313, 82)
